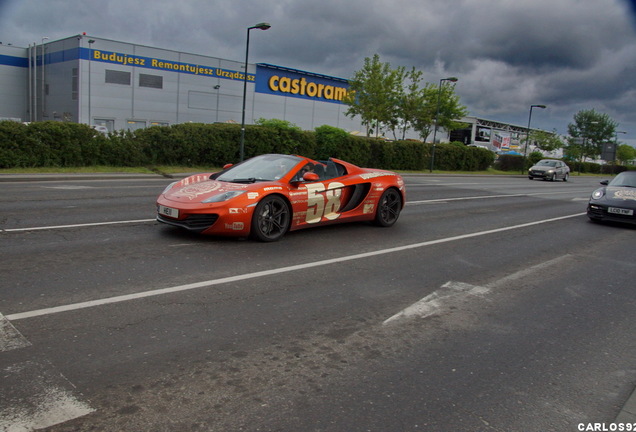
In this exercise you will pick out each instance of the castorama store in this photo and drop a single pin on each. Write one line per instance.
(121, 85)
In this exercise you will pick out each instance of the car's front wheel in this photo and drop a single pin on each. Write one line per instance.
(271, 219)
(389, 208)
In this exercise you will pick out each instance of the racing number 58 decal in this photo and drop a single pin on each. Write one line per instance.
(319, 205)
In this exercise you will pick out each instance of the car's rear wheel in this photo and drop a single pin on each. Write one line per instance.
(566, 177)
(271, 219)
(389, 208)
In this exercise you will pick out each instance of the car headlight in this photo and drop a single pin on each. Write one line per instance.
(598, 193)
(223, 196)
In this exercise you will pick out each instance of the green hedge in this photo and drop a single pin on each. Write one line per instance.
(57, 144)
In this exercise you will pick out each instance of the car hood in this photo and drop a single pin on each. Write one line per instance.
(199, 187)
(626, 194)
(541, 168)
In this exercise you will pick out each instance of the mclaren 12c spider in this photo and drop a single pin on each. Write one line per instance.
(268, 195)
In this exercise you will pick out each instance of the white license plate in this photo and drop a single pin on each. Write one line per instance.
(621, 211)
(168, 211)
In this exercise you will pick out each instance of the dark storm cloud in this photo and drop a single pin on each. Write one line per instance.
(508, 54)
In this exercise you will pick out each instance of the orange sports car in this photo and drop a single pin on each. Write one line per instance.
(268, 195)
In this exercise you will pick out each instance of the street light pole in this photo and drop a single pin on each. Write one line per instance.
(90, 54)
(439, 95)
(525, 150)
(261, 26)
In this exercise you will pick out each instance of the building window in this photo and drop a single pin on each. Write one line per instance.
(133, 125)
(108, 123)
(152, 81)
(117, 77)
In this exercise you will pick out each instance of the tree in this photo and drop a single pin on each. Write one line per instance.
(625, 153)
(592, 129)
(546, 141)
(392, 99)
(410, 102)
(449, 109)
(373, 94)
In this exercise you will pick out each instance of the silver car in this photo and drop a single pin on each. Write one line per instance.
(549, 169)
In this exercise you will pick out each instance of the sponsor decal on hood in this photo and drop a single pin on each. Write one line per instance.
(192, 191)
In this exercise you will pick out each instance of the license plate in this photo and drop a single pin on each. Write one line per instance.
(621, 211)
(168, 211)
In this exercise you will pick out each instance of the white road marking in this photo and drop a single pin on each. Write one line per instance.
(264, 273)
(10, 337)
(430, 304)
(76, 225)
(451, 292)
(68, 187)
(35, 396)
(440, 200)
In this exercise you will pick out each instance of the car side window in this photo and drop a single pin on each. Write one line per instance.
(334, 170)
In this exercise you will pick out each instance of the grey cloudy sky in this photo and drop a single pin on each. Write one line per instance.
(508, 54)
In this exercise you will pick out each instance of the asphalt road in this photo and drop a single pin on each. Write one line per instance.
(492, 305)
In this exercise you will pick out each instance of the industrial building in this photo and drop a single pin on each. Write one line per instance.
(126, 86)
(122, 85)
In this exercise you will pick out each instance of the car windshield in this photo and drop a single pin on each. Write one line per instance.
(260, 168)
(624, 179)
(546, 163)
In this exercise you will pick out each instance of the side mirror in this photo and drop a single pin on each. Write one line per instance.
(310, 176)
(226, 166)
(605, 182)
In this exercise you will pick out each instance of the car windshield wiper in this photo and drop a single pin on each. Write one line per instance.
(247, 180)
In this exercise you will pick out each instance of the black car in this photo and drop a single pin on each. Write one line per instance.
(549, 169)
(615, 201)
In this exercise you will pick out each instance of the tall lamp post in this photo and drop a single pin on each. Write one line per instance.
(261, 26)
(525, 150)
(90, 54)
(439, 95)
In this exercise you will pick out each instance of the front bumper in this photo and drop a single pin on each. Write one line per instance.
(540, 174)
(217, 219)
(192, 222)
(599, 212)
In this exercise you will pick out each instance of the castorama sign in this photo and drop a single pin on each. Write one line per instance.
(281, 81)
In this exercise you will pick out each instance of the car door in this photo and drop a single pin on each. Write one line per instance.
(561, 170)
